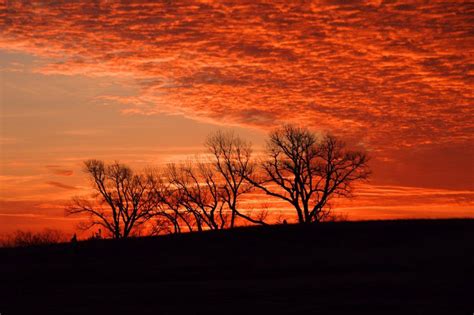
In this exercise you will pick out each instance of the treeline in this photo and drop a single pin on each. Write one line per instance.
(297, 167)
(21, 238)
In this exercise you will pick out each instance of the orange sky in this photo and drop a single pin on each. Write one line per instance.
(146, 82)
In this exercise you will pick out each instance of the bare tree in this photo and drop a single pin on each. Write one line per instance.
(231, 157)
(199, 193)
(121, 201)
(160, 225)
(177, 196)
(307, 172)
(167, 206)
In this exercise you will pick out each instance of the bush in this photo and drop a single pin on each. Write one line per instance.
(28, 238)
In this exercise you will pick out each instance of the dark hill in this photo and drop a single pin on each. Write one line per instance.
(378, 267)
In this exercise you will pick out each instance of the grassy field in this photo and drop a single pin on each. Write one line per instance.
(376, 267)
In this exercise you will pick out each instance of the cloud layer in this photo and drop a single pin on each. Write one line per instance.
(397, 73)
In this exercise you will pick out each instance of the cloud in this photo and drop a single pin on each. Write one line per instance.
(82, 132)
(371, 67)
(61, 185)
(8, 141)
(396, 75)
(33, 215)
(57, 170)
(386, 202)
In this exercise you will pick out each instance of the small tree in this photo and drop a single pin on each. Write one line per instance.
(231, 157)
(199, 193)
(167, 204)
(121, 201)
(307, 171)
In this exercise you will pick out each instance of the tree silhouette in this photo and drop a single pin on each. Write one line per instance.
(121, 202)
(307, 171)
(231, 158)
(27, 238)
(199, 193)
(164, 204)
(167, 200)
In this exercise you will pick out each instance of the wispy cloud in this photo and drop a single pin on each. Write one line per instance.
(57, 170)
(8, 141)
(82, 132)
(61, 185)
(387, 202)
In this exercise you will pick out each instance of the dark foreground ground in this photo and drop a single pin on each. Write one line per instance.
(386, 267)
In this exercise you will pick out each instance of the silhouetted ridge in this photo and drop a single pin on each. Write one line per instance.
(367, 267)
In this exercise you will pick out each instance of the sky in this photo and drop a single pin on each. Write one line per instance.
(145, 82)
